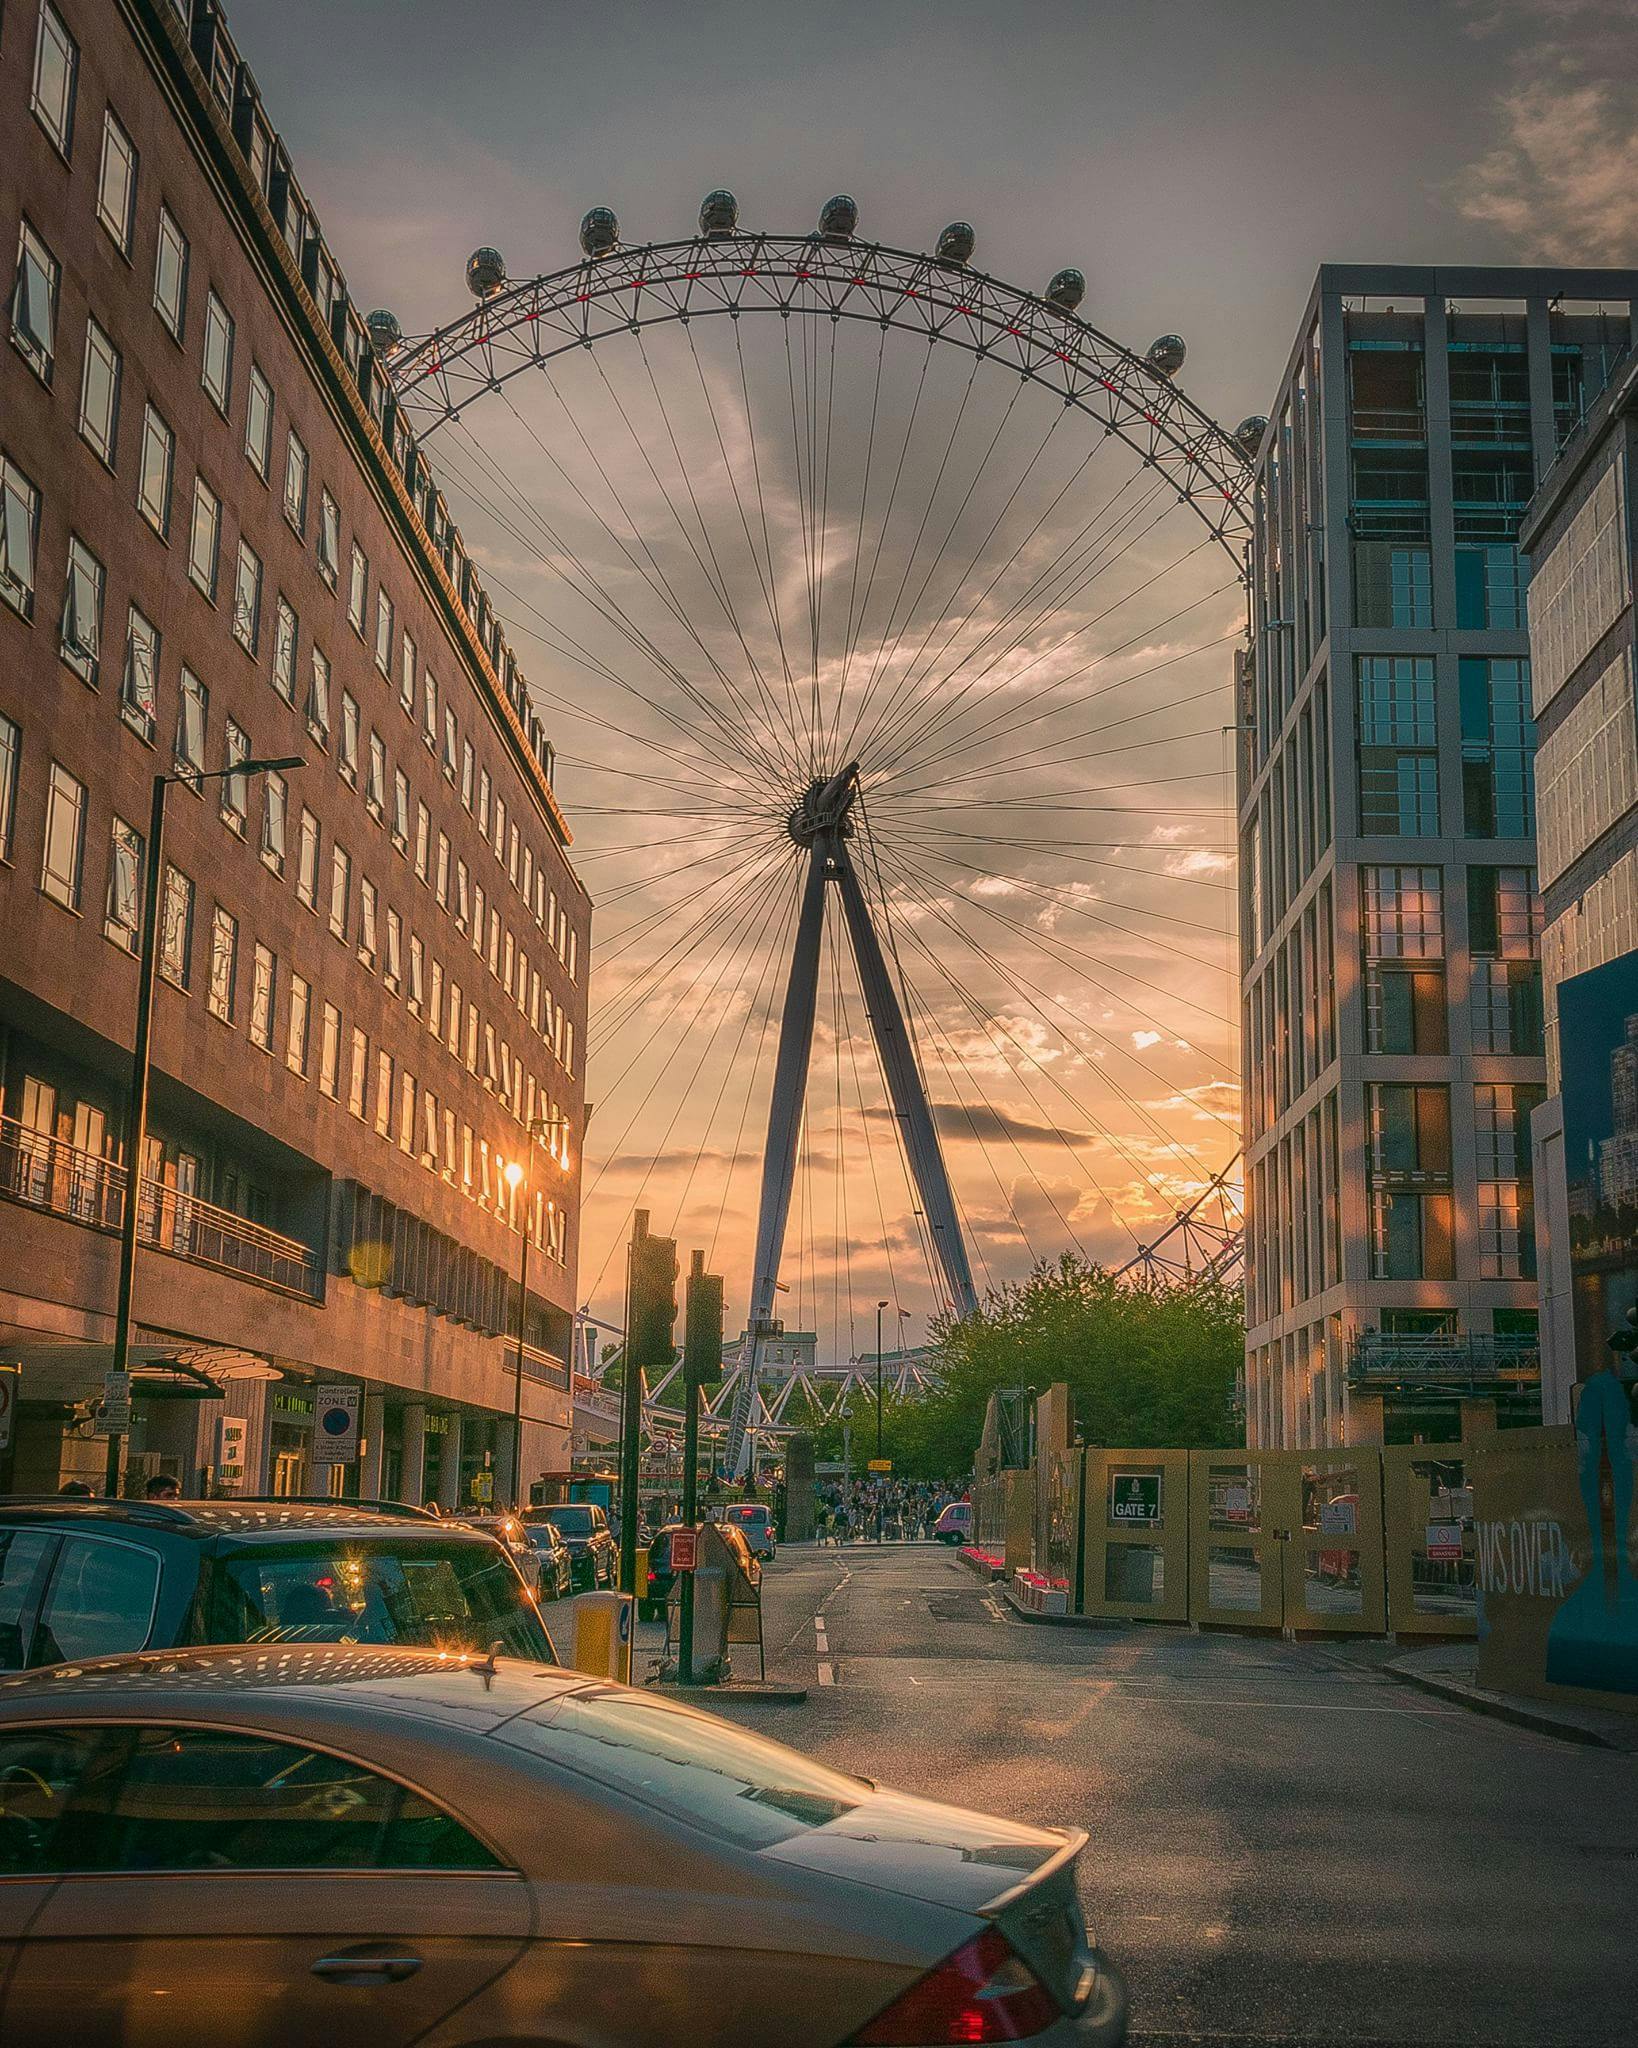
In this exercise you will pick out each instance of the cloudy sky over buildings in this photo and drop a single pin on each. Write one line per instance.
(1032, 626)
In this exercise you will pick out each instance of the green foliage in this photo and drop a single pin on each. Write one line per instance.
(1146, 1366)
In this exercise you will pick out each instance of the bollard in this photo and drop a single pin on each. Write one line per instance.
(602, 1635)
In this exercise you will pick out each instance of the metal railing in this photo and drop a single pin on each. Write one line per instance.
(1440, 1359)
(49, 1174)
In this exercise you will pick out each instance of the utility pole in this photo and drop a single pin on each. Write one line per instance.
(702, 1367)
(879, 1307)
(651, 1313)
(136, 1117)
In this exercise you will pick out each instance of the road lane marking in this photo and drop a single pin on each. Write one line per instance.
(826, 1675)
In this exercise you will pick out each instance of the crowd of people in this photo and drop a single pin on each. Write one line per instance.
(847, 1510)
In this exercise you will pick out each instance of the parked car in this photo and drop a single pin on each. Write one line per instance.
(556, 1566)
(754, 1520)
(368, 1845)
(513, 1538)
(657, 1589)
(585, 1529)
(955, 1522)
(87, 1578)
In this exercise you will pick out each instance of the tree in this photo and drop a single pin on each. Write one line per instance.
(1147, 1366)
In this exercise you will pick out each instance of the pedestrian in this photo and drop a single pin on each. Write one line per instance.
(162, 1486)
(75, 1489)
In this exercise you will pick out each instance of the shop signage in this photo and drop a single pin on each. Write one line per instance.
(483, 1486)
(287, 1403)
(881, 1465)
(335, 1426)
(1134, 1499)
(232, 1436)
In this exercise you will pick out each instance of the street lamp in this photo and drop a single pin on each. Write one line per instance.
(879, 1307)
(513, 1175)
(136, 1122)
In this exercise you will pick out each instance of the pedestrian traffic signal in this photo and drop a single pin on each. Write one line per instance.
(651, 1307)
(702, 1326)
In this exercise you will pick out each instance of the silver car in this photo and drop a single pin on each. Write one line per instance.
(294, 1846)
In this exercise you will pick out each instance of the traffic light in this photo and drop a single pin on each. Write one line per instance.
(702, 1326)
(651, 1309)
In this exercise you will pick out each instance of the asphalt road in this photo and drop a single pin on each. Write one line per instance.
(1287, 1846)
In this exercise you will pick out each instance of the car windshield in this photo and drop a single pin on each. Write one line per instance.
(739, 1786)
(444, 1596)
(573, 1521)
(542, 1535)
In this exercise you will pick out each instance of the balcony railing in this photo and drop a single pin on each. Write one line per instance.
(45, 1173)
(1438, 1359)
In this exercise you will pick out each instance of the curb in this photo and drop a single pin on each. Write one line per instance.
(703, 1695)
(1542, 1720)
(1096, 1622)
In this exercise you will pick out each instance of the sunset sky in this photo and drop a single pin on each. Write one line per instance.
(1006, 621)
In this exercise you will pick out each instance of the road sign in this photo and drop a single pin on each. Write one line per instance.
(483, 1486)
(335, 1426)
(881, 1465)
(1134, 1499)
(684, 1550)
(10, 1380)
(115, 1417)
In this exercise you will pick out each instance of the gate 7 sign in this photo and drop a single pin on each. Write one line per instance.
(1134, 1499)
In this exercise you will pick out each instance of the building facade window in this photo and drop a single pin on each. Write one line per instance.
(259, 424)
(11, 754)
(1410, 1181)
(275, 817)
(347, 753)
(122, 919)
(99, 394)
(295, 483)
(155, 471)
(375, 786)
(62, 864)
(34, 303)
(216, 370)
(139, 684)
(176, 929)
(307, 860)
(19, 536)
(235, 788)
(318, 698)
(1398, 746)
(298, 1030)
(81, 638)
(1498, 749)
(1507, 1230)
(383, 632)
(341, 888)
(286, 635)
(1504, 938)
(247, 599)
(358, 1073)
(56, 78)
(204, 539)
(263, 996)
(329, 1077)
(171, 274)
(358, 589)
(117, 182)
(224, 964)
(192, 722)
(329, 538)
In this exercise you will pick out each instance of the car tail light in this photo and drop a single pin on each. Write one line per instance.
(984, 1992)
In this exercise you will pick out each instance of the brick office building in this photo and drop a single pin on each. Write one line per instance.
(218, 542)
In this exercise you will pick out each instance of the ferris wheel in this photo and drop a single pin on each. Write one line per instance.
(885, 612)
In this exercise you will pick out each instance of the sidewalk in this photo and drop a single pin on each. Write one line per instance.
(1450, 1671)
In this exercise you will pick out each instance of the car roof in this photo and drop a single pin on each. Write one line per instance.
(231, 1518)
(479, 1692)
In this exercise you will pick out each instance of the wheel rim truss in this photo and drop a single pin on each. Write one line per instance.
(524, 326)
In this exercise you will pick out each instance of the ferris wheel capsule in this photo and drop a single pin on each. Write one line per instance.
(1166, 355)
(599, 231)
(838, 218)
(719, 215)
(384, 331)
(485, 272)
(1248, 435)
(955, 244)
(1066, 290)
